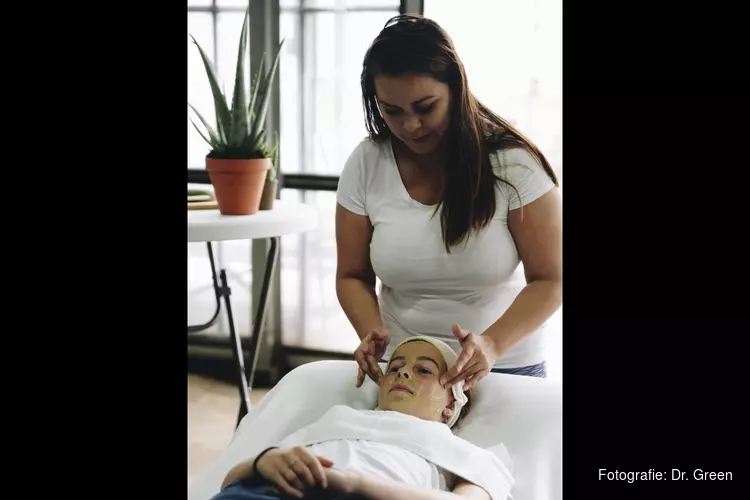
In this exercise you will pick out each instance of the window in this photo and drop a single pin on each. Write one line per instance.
(321, 123)
(321, 110)
(311, 315)
(513, 58)
(200, 26)
(216, 26)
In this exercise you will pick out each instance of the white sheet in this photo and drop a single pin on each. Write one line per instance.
(523, 413)
(432, 441)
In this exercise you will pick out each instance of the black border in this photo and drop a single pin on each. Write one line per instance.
(113, 395)
(655, 273)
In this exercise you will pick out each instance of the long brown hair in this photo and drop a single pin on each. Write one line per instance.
(412, 44)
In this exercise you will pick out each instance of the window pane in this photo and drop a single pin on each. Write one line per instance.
(235, 257)
(330, 4)
(200, 26)
(290, 158)
(395, 5)
(321, 100)
(232, 3)
(324, 4)
(199, 3)
(360, 29)
(311, 314)
(331, 111)
(525, 85)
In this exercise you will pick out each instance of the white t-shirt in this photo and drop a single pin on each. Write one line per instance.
(385, 461)
(424, 289)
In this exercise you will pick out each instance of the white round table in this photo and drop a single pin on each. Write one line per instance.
(209, 226)
(285, 218)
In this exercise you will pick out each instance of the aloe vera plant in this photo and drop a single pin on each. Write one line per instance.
(239, 132)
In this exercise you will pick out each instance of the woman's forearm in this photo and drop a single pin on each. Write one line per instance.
(534, 305)
(360, 304)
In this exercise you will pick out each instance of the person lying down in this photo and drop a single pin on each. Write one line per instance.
(403, 449)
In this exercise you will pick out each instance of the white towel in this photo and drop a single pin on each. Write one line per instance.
(433, 441)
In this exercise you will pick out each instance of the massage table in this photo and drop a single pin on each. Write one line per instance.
(523, 413)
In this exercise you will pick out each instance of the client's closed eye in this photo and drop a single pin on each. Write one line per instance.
(424, 371)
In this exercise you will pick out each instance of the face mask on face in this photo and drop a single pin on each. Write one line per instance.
(411, 383)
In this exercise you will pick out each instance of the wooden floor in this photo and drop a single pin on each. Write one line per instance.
(212, 415)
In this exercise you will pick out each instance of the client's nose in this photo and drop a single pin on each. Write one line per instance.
(403, 373)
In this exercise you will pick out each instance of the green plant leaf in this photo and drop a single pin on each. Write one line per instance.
(201, 133)
(239, 101)
(223, 117)
(255, 86)
(261, 114)
(215, 142)
(259, 141)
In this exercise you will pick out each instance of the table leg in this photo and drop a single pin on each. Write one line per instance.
(260, 313)
(209, 323)
(239, 359)
(245, 376)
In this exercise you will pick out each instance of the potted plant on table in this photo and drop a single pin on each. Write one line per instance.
(239, 161)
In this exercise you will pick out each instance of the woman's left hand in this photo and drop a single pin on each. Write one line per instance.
(475, 362)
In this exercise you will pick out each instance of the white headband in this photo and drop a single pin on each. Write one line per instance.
(451, 358)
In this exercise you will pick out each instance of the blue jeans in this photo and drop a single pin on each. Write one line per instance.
(244, 491)
(538, 370)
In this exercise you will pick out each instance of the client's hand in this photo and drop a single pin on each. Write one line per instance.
(475, 362)
(294, 470)
(370, 351)
(342, 485)
(342, 482)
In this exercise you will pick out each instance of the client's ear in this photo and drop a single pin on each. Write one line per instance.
(448, 411)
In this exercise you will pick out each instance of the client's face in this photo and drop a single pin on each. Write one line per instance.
(411, 383)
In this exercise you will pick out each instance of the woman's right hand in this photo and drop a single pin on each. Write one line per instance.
(370, 351)
(294, 470)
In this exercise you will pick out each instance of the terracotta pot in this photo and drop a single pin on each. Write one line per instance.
(269, 195)
(238, 184)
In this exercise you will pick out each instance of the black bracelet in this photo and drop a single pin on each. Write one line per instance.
(256, 473)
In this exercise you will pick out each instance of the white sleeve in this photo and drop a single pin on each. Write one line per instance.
(524, 173)
(351, 189)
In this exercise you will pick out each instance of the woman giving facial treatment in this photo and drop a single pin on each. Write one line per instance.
(452, 209)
